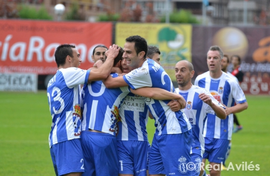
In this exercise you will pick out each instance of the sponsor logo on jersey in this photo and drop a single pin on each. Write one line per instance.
(216, 96)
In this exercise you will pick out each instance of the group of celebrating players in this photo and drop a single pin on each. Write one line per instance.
(99, 116)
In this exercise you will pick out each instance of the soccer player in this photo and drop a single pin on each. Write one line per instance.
(171, 145)
(153, 53)
(100, 124)
(224, 66)
(64, 105)
(218, 132)
(132, 138)
(236, 61)
(199, 103)
(99, 53)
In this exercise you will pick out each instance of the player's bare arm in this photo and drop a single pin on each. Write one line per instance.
(220, 112)
(105, 69)
(111, 82)
(237, 108)
(156, 93)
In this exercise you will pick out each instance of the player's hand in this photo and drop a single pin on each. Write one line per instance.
(182, 103)
(227, 111)
(178, 104)
(113, 51)
(205, 98)
(174, 105)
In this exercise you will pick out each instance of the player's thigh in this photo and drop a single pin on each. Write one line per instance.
(175, 151)
(219, 151)
(125, 157)
(103, 148)
(141, 149)
(68, 157)
(133, 157)
(195, 165)
(155, 163)
(106, 157)
(89, 155)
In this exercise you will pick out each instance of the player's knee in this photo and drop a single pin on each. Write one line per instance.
(215, 172)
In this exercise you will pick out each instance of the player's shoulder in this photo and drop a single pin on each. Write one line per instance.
(230, 78)
(198, 89)
(52, 81)
(71, 70)
(151, 65)
(203, 75)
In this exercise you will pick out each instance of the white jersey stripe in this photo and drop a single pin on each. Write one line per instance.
(93, 114)
(125, 132)
(54, 132)
(230, 124)
(84, 115)
(69, 125)
(107, 118)
(137, 125)
(217, 128)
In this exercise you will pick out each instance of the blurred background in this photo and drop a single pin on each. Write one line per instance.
(30, 31)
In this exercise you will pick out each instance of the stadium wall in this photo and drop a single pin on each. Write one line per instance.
(28, 46)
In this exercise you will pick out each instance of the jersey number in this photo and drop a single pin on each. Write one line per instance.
(56, 98)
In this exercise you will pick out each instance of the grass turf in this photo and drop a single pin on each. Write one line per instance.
(25, 124)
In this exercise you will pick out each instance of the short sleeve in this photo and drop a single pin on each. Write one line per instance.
(138, 78)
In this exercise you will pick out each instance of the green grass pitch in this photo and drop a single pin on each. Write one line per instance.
(25, 124)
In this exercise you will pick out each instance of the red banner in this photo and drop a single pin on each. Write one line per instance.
(29, 46)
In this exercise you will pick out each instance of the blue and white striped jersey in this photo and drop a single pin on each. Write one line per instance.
(226, 90)
(134, 116)
(101, 107)
(196, 111)
(152, 74)
(63, 93)
(233, 77)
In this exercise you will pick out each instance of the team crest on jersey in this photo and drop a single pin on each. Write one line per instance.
(182, 165)
(115, 119)
(77, 120)
(220, 90)
(189, 105)
(216, 96)
(77, 110)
